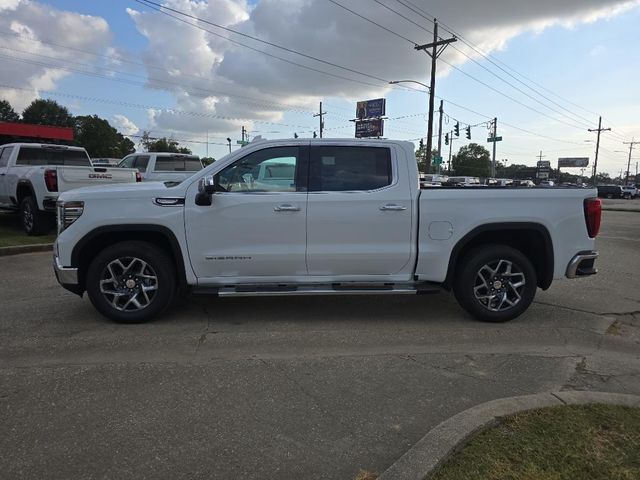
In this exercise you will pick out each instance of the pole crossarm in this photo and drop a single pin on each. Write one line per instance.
(440, 43)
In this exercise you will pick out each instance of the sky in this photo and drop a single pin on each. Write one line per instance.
(546, 70)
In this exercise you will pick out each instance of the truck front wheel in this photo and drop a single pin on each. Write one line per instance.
(495, 283)
(34, 221)
(131, 282)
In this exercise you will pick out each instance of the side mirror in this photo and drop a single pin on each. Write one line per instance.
(206, 188)
(207, 185)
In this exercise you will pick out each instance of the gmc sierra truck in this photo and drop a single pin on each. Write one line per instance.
(341, 217)
(33, 175)
(162, 167)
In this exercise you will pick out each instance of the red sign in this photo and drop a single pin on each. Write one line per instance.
(28, 130)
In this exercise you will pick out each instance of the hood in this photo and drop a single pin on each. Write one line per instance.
(123, 190)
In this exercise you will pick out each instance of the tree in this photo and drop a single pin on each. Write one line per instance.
(472, 160)
(47, 112)
(7, 113)
(206, 161)
(100, 139)
(162, 144)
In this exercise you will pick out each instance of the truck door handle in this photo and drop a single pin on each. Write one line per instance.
(287, 207)
(393, 207)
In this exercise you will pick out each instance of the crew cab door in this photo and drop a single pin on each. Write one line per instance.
(359, 220)
(5, 153)
(256, 223)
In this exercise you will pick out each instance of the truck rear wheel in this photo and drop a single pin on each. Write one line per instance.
(131, 282)
(34, 221)
(495, 283)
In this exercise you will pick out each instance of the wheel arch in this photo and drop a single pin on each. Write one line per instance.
(530, 238)
(25, 189)
(101, 237)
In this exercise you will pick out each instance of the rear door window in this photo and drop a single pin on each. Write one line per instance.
(342, 169)
(141, 162)
(34, 156)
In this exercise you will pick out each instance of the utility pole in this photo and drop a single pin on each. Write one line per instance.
(244, 131)
(541, 156)
(207, 143)
(437, 47)
(440, 135)
(229, 143)
(451, 137)
(321, 115)
(631, 144)
(493, 159)
(595, 163)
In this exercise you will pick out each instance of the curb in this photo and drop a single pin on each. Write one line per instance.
(426, 456)
(17, 249)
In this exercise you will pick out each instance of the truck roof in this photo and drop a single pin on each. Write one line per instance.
(42, 145)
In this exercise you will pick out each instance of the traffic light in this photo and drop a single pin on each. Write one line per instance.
(315, 135)
(446, 139)
(421, 144)
(456, 129)
(468, 129)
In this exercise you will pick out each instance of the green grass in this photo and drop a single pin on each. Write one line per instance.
(594, 442)
(11, 232)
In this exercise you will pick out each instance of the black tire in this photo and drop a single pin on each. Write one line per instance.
(156, 300)
(34, 222)
(471, 278)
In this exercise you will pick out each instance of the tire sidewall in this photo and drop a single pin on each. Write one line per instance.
(470, 267)
(28, 203)
(151, 254)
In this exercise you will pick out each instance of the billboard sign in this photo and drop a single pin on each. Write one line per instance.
(371, 108)
(573, 162)
(369, 128)
(544, 164)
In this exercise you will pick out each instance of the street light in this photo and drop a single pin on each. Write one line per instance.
(394, 82)
(429, 126)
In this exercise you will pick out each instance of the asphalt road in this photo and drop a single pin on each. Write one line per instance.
(287, 388)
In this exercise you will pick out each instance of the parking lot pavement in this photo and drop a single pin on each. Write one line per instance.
(288, 388)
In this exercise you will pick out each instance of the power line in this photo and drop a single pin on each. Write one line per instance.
(495, 61)
(161, 8)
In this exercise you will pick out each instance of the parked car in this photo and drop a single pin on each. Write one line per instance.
(431, 180)
(523, 183)
(350, 219)
(105, 162)
(33, 175)
(629, 191)
(546, 183)
(163, 167)
(464, 181)
(610, 191)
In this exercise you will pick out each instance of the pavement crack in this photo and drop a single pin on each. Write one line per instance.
(556, 396)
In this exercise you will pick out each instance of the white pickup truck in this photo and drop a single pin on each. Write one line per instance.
(348, 219)
(163, 167)
(33, 175)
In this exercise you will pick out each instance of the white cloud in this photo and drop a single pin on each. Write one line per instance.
(124, 125)
(597, 51)
(204, 71)
(25, 52)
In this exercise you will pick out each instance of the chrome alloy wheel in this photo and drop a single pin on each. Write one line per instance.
(27, 216)
(499, 285)
(129, 284)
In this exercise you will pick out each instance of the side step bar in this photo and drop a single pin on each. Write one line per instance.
(310, 290)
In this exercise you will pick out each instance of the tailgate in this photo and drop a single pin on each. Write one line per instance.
(75, 177)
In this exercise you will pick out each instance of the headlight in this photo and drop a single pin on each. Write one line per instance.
(67, 213)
